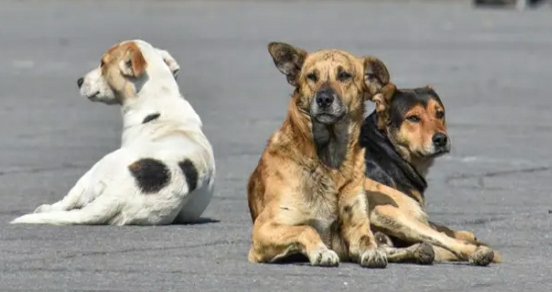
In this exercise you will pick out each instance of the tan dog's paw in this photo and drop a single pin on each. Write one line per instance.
(323, 256)
(373, 258)
(482, 256)
(43, 208)
(424, 254)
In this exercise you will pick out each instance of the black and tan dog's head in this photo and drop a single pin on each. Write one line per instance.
(329, 84)
(414, 121)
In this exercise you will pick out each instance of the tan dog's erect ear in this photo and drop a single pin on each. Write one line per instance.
(376, 75)
(288, 59)
(170, 61)
(382, 100)
(133, 63)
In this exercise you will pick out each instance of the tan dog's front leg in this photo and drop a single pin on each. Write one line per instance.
(355, 228)
(273, 241)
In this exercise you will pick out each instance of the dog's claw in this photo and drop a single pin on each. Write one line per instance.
(382, 239)
(482, 256)
(324, 257)
(374, 258)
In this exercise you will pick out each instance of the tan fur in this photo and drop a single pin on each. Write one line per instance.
(297, 203)
(397, 214)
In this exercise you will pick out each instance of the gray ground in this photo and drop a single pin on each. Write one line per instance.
(491, 67)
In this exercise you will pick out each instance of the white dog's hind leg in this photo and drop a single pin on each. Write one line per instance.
(100, 211)
(79, 196)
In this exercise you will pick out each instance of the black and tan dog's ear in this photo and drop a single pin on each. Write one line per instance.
(376, 75)
(288, 59)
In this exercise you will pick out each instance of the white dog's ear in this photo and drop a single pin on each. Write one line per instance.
(170, 61)
(133, 63)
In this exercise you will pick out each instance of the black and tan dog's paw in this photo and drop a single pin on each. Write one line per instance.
(482, 256)
(424, 254)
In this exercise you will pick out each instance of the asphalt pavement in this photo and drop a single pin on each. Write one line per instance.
(491, 68)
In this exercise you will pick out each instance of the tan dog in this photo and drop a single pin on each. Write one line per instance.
(306, 195)
(403, 136)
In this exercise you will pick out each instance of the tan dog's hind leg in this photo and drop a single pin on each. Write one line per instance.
(392, 221)
(355, 228)
(273, 241)
(469, 237)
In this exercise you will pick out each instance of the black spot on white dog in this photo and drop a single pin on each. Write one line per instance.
(190, 172)
(151, 117)
(151, 174)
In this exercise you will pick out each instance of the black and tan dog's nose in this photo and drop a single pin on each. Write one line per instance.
(439, 140)
(80, 81)
(325, 97)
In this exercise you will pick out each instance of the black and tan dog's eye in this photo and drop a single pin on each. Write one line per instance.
(440, 114)
(413, 119)
(312, 77)
(344, 76)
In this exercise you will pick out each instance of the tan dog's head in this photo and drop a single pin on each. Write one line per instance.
(124, 70)
(414, 121)
(330, 84)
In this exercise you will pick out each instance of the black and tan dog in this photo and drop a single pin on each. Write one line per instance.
(403, 136)
(306, 195)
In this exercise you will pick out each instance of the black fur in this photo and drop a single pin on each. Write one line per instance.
(190, 172)
(383, 162)
(151, 117)
(151, 175)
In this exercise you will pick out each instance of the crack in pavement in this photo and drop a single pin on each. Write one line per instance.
(480, 177)
(123, 251)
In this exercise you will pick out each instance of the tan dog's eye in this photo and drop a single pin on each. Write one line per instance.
(312, 77)
(102, 63)
(344, 76)
(413, 119)
(440, 114)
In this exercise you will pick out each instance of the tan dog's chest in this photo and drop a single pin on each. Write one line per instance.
(320, 195)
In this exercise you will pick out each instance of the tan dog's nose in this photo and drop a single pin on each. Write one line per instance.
(325, 97)
(80, 81)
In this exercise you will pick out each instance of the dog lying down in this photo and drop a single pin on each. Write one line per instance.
(403, 136)
(164, 171)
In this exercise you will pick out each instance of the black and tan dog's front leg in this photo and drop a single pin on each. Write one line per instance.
(355, 228)
(418, 253)
(392, 221)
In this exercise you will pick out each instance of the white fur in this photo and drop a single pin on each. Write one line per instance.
(108, 193)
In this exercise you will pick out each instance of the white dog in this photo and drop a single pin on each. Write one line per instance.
(164, 171)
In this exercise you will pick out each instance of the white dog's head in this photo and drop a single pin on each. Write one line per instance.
(124, 70)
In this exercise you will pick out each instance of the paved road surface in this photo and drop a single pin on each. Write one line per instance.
(491, 67)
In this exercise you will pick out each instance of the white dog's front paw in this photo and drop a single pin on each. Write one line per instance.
(323, 256)
(43, 208)
(373, 258)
